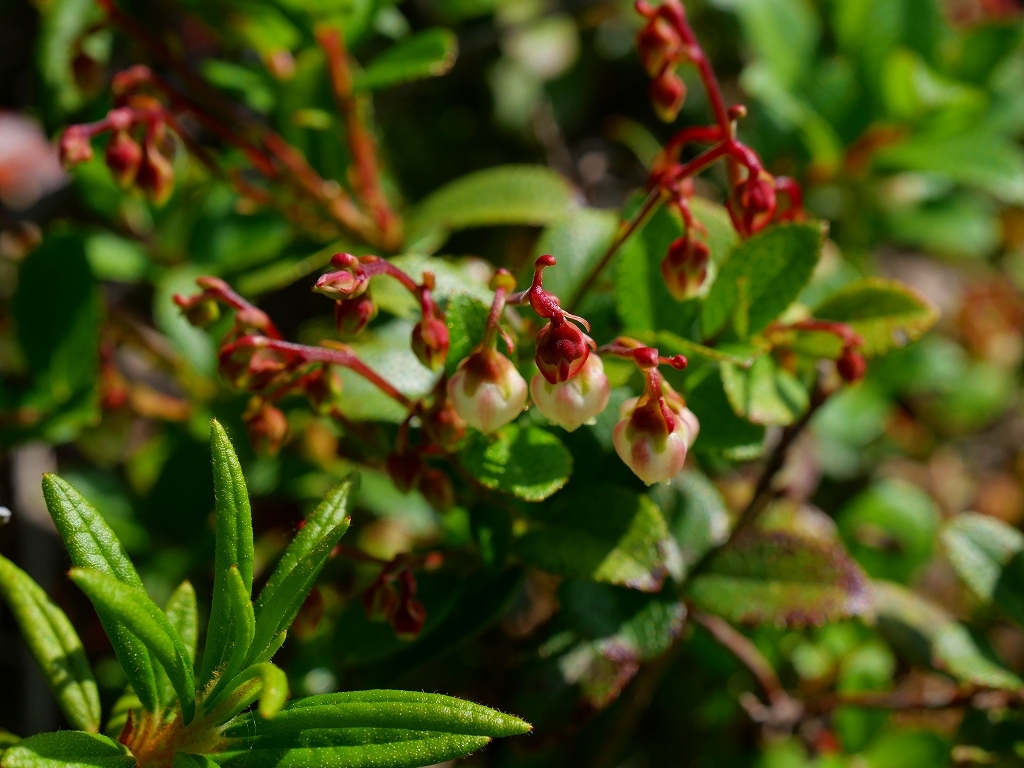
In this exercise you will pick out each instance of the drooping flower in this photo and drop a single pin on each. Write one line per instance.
(685, 267)
(487, 390)
(576, 401)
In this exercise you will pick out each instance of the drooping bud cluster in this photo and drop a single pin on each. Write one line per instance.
(139, 149)
(685, 266)
(662, 46)
(392, 598)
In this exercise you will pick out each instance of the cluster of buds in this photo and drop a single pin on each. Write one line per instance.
(349, 286)
(663, 45)
(685, 266)
(139, 148)
(392, 598)
(408, 469)
(656, 429)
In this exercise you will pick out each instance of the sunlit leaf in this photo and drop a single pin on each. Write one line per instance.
(429, 53)
(988, 555)
(68, 749)
(528, 462)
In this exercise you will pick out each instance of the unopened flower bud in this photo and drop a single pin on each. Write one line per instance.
(201, 312)
(124, 157)
(667, 92)
(405, 470)
(267, 427)
(345, 283)
(657, 42)
(487, 390)
(75, 146)
(155, 176)
(250, 367)
(410, 616)
(851, 365)
(576, 401)
(685, 267)
(753, 203)
(443, 425)
(437, 489)
(351, 316)
(653, 437)
(430, 342)
(562, 350)
(380, 601)
(323, 388)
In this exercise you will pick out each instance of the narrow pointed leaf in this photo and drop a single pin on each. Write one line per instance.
(68, 749)
(147, 622)
(92, 544)
(265, 681)
(360, 748)
(54, 645)
(329, 514)
(181, 611)
(234, 544)
(126, 702)
(182, 760)
(243, 624)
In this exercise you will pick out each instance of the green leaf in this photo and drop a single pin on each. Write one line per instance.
(776, 264)
(605, 533)
(407, 710)
(886, 313)
(92, 544)
(182, 613)
(147, 622)
(265, 681)
(988, 555)
(764, 393)
(234, 545)
(577, 243)
(466, 318)
(452, 277)
(430, 53)
(951, 646)
(64, 23)
(68, 749)
(243, 625)
(989, 162)
(54, 645)
(507, 194)
(779, 578)
(286, 589)
(698, 516)
(357, 748)
(528, 462)
(722, 432)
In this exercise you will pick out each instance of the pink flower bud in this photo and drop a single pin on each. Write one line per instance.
(657, 42)
(487, 390)
(156, 174)
(653, 437)
(576, 401)
(124, 158)
(667, 93)
(251, 367)
(346, 283)
(75, 146)
(753, 203)
(851, 365)
(685, 267)
(405, 470)
(351, 316)
(267, 427)
(562, 349)
(430, 342)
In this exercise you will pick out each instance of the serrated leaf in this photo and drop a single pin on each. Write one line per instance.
(92, 544)
(765, 393)
(776, 265)
(54, 644)
(300, 564)
(886, 313)
(528, 462)
(606, 533)
(988, 555)
(466, 318)
(430, 53)
(779, 578)
(952, 648)
(234, 545)
(67, 749)
(507, 194)
(149, 624)
(407, 710)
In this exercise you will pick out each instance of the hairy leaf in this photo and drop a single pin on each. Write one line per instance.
(182, 613)
(952, 648)
(147, 622)
(92, 544)
(528, 462)
(358, 748)
(234, 545)
(988, 555)
(54, 645)
(775, 265)
(779, 578)
(68, 749)
(507, 194)
(243, 624)
(886, 313)
(429, 53)
(607, 534)
(765, 393)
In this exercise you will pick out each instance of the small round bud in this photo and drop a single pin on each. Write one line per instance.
(75, 146)
(430, 342)
(685, 267)
(503, 279)
(267, 427)
(653, 437)
(155, 175)
(577, 401)
(657, 42)
(346, 283)
(562, 349)
(351, 316)
(487, 390)
(851, 365)
(753, 203)
(124, 158)
(202, 312)
(667, 92)
(410, 616)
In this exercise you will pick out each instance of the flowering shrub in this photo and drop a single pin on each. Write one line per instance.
(677, 456)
